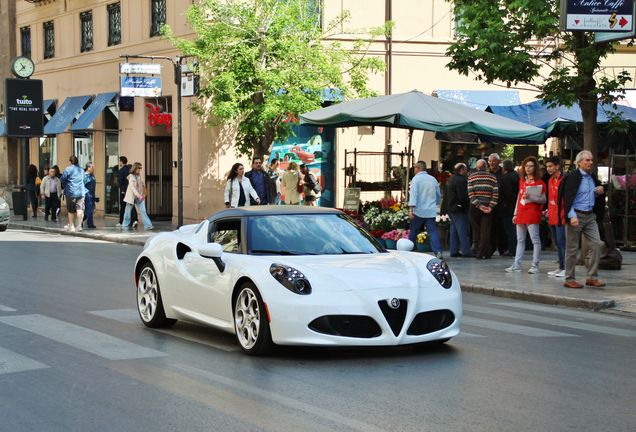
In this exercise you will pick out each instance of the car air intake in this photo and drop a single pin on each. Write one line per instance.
(429, 322)
(357, 326)
(394, 311)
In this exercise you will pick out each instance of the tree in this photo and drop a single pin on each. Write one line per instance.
(265, 61)
(519, 41)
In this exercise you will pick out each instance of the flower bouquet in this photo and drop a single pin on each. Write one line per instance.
(443, 221)
(423, 243)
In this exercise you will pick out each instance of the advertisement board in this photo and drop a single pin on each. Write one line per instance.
(597, 15)
(23, 107)
(140, 86)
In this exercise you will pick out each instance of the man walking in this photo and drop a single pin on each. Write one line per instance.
(51, 188)
(260, 182)
(483, 193)
(424, 196)
(508, 191)
(74, 190)
(89, 199)
(458, 204)
(556, 223)
(122, 181)
(580, 197)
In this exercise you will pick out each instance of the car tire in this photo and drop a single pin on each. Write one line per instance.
(250, 321)
(149, 302)
(3, 228)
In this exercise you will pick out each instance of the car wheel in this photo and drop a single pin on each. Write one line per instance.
(250, 321)
(149, 303)
(3, 228)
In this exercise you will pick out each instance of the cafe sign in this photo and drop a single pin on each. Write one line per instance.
(140, 86)
(597, 15)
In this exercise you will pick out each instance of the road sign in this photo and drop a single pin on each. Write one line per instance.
(140, 86)
(140, 68)
(23, 105)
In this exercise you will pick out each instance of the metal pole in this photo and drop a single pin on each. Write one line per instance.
(177, 80)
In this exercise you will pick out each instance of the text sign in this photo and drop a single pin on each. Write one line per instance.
(599, 15)
(23, 107)
(140, 86)
(140, 68)
(351, 199)
(156, 117)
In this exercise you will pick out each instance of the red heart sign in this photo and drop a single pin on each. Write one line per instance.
(577, 21)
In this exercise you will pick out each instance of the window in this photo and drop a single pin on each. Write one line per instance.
(227, 233)
(86, 31)
(49, 40)
(158, 14)
(25, 41)
(114, 24)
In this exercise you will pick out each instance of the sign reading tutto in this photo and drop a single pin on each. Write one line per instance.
(140, 86)
(598, 15)
(23, 102)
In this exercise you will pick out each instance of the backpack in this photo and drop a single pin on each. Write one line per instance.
(312, 183)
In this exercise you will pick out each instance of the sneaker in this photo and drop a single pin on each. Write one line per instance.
(79, 229)
(69, 228)
(437, 254)
(513, 268)
(559, 274)
(533, 270)
(152, 227)
(134, 224)
(554, 272)
(118, 225)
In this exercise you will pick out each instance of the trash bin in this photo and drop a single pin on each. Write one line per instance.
(19, 197)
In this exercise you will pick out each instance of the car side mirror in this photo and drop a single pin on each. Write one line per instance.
(211, 250)
(405, 245)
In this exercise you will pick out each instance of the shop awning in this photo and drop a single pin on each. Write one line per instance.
(480, 99)
(1, 126)
(94, 109)
(65, 114)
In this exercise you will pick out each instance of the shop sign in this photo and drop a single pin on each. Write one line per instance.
(597, 15)
(140, 86)
(351, 199)
(155, 117)
(140, 68)
(23, 107)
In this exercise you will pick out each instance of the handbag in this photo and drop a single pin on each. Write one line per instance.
(299, 188)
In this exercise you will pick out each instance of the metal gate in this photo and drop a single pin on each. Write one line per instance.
(159, 177)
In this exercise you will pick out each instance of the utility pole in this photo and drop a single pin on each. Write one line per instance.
(7, 52)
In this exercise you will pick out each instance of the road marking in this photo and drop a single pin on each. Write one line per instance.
(569, 312)
(463, 334)
(82, 338)
(552, 321)
(4, 308)
(128, 316)
(512, 328)
(13, 362)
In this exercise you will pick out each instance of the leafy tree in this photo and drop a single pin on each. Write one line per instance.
(519, 41)
(263, 62)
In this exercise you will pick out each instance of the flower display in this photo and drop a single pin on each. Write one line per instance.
(443, 221)
(386, 214)
(395, 235)
(377, 233)
(422, 237)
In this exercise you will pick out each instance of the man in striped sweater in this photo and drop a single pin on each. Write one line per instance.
(483, 193)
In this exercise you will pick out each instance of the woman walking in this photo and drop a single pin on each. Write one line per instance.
(135, 197)
(527, 215)
(33, 188)
(238, 187)
(292, 184)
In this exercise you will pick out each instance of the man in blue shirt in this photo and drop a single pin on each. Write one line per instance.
(260, 182)
(424, 196)
(580, 197)
(74, 190)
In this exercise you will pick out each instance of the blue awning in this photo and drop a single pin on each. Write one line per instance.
(65, 114)
(1, 126)
(91, 113)
(47, 104)
(480, 99)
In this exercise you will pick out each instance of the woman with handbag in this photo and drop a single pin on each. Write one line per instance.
(238, 187)
(135, 197)
(292, 184)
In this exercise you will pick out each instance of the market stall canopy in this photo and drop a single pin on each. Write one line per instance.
(415, 110)
(480, 99)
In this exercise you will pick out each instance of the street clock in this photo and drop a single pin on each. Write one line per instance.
(22, 67)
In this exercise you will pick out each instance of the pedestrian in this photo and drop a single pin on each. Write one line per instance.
(483, 193)
(556, 223)
(60, 194)
(275, 179)
(51, 188)
(238, 187)
(292, 184)
(32, 187)
(136, 197)
(260, 181)
(89, 199)
(457, 203)
(498, 240)
(508, 193)
(424, 196)
(527, 216)
(311, 187)
(580, 200)
(122, 181)
(74, 191)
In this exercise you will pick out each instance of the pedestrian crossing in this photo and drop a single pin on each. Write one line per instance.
(478, 321)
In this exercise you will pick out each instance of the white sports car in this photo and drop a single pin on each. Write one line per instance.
(294, 275)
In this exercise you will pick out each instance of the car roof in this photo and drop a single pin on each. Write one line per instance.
(271, 210)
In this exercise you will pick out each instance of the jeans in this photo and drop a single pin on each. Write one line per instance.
(51, 204)
(141, 206)
(431, 228)
(459, 233)
(522, 230)
(558, 237)
(89, 209)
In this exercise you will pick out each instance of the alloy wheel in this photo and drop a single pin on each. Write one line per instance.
(247, 318)
(147, 291)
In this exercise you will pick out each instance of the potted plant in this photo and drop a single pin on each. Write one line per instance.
(423, 243)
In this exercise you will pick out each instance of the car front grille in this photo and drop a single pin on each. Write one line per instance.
(429, 322)
(357, 326)
(394, 314)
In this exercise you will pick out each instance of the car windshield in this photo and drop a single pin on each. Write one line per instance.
(309, 234)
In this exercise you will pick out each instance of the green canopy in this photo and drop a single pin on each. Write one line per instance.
(415, 110)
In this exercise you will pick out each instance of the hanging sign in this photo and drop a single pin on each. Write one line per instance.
(597, 15)
(140, 86)
(155, 117)
(23, 107)
(140, 68)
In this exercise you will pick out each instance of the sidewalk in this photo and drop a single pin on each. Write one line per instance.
(481, 276)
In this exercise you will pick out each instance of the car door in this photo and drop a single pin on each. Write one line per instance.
(211, 288)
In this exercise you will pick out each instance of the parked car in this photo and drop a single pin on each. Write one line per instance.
(4, 214)
(293, 275)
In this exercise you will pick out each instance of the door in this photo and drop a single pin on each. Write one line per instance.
(159, 177)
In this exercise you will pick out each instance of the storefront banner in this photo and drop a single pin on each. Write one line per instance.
(140, 86)
(140, 68)
(598, 15)
(23, 107)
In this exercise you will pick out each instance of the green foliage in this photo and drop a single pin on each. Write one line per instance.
(264, 60)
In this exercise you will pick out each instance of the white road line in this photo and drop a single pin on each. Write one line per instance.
(463, 334)
(512, 328)
(569, 312)
(4, 308)
(128, 316)
(82, 338)
(281, 399)
(13, 362)
(551, 321)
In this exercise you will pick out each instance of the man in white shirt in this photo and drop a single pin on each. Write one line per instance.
(424, 196)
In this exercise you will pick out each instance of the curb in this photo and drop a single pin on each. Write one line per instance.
(544, 298)
(96, 236)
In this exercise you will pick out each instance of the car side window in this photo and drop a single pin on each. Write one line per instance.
(227, 233)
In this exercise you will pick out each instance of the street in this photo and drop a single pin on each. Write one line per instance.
(74, 356)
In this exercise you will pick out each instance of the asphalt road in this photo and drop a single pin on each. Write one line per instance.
(75, 357)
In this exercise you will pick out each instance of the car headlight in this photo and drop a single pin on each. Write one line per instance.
(440, 271)
(4, 206)
(292, 279)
